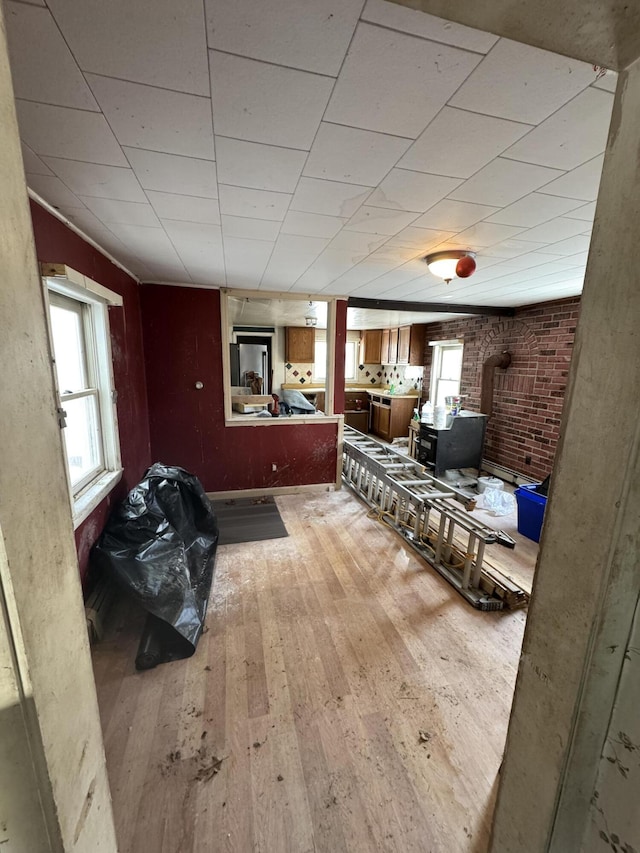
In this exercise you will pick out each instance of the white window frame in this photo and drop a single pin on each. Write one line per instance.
(93, 301)
(436, 366)
(320, 338)
(352, 346)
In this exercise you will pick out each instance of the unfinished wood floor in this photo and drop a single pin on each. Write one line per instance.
(327, 654)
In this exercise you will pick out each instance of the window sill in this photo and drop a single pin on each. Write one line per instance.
(84, 505)
(252, 420)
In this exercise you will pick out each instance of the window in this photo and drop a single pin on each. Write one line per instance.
(352, 349)
(80, 344)
(446, 369)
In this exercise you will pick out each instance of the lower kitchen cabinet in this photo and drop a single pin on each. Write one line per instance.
(390, 415)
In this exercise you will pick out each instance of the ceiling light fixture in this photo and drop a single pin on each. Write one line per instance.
(448, 265)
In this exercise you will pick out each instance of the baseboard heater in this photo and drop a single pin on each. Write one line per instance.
(506, 474)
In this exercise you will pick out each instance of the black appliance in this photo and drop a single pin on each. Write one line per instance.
(459, 446)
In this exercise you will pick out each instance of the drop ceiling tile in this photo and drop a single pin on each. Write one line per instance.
(485, 234)
(261, 167)
(329, 197)
(63, 132)
(356, 242)
(419, 23)
(522, 83)
(420, 239)
(571, 136)
(156, 119)
(208, 273)
(585, 212)
(96, 180)
(291, 257)
(512, 249)
(309, 36)
(172, 173)
(503, 181)
(581, 183)
(86, 221)
(52, 190)
(245, 261)
(331, 264)
(151, 245)
(266, 103)
(110, 210)
(382, 63)
(454, 215)
(311, 224)
(353, 156)
(148, 41)
(458, 143)
(192, 234)
(42, 66)
(250, 229)
(184, 207)
(32, 163)
(378, 220)
(570, 246)
(608, 81)
(533, 209)
(253, 204)
(554, 230)
(416, 191)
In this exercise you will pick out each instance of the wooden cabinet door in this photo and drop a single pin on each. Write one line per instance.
(393, 346)
(372, 346)
(384, 422)
(416, 345)
(384, 348)
(300, 344)
(404, 338)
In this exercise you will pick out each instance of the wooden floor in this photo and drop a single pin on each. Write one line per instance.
(343, 698)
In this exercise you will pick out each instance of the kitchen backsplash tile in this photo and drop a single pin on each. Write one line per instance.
(368, 374)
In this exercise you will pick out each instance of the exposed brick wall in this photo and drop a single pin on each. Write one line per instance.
(529, 394)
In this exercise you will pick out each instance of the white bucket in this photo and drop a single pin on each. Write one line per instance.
(489, 483)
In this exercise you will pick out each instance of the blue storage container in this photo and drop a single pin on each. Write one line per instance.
(531, 507)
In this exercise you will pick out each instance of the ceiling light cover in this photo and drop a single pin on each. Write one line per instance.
(448, 265)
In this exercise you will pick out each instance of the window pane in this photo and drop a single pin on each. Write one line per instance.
(350, 360)
(446, 388)
(451, 366)
(68, 347)
(320, 360)
(82, 437)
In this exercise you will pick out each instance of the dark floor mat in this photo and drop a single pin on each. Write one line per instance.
(248, 520)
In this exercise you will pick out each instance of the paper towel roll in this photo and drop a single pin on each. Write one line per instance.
(440, 417)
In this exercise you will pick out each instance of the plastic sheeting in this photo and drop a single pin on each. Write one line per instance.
(160, 545)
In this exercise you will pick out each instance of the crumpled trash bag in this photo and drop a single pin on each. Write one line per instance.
(160, 546)
(498, 501)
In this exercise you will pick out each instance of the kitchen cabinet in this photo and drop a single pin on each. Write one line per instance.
(300, 344)
(404, 342)
(384, 348)
(389, 414)
(393, 346)
(372, 346)
(356, 410)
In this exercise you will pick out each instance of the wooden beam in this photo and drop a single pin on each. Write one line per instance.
(428, 307)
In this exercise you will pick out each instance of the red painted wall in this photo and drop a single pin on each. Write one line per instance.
(55, 243)
(182, 342)
(529, 394)
(341, 342)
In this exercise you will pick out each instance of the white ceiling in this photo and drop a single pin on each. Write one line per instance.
(317, 147)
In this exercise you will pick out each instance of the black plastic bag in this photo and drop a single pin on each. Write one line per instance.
(160, 545)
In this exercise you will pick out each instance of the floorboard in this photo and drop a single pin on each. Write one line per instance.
(295, 728)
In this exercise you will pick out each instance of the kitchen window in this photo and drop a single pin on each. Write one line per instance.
(352, 349)
(446, 370)
(81, 354)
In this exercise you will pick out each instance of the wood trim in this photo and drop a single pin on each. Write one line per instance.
(276, 490)
(226, 362)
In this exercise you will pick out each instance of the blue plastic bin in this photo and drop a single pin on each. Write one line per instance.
(531, 507)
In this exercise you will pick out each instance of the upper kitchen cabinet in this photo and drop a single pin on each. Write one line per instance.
(411, 345)
(404, 345)
(300, 344)
(392, 356)
(372, 346)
